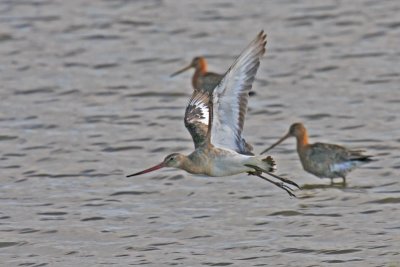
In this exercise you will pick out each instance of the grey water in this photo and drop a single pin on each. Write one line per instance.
(86, 98)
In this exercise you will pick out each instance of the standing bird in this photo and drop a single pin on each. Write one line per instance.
(215, 122)
(201, 80)
(321, 159)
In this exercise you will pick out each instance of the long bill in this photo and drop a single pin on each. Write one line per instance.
(158, 166)
(277, 143)
(181, 70)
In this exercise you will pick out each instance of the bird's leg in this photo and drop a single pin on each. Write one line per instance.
(261, 170)
(284, 180)
(258, 172)
(279, 184)
(344, 181)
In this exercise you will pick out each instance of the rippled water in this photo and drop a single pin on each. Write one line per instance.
(86, 99)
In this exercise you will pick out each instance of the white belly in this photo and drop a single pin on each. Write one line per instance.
(229, 165)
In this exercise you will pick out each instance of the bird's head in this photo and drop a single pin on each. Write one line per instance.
(199, 63)
(174, 160)
(297, 129)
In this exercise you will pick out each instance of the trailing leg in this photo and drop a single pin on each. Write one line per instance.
(261, 170)
(258, 172)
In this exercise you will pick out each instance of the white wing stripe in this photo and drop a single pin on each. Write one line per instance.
(200, 112)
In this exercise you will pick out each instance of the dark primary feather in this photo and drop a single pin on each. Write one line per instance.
(359, 156)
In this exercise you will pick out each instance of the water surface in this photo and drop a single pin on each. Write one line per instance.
(86, 98)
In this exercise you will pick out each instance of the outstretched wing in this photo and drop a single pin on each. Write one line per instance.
(197, 117)
(230, 97)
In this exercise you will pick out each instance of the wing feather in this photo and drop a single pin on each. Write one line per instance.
(197, 117)
(230, 98)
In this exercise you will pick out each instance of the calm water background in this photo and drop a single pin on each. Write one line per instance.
(86, 98)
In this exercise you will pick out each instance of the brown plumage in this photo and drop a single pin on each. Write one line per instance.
(202, 79)
(321, 159)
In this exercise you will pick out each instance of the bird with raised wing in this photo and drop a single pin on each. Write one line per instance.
(321, 159)
(215, 121)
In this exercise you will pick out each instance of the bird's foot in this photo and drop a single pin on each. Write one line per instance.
(342, 184)
(255, 172)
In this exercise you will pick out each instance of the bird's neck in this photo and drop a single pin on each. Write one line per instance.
(302, 141)
(202, 67)
(189, 164)
(201, 70)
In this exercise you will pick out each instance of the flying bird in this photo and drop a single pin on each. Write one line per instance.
(215, 121)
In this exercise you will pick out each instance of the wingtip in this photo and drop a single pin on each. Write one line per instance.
(263, 38)
(370, 158)
(263, 35)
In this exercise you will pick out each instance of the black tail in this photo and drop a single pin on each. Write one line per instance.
(270, 161)
(364, 158)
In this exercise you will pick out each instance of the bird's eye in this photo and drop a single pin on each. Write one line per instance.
(171, 158)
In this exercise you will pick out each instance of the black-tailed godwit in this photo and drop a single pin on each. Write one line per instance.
(321, 159)
(202, 79)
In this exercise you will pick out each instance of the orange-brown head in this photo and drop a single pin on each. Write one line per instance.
(198, 63)
(296, 130)
(174, 160)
